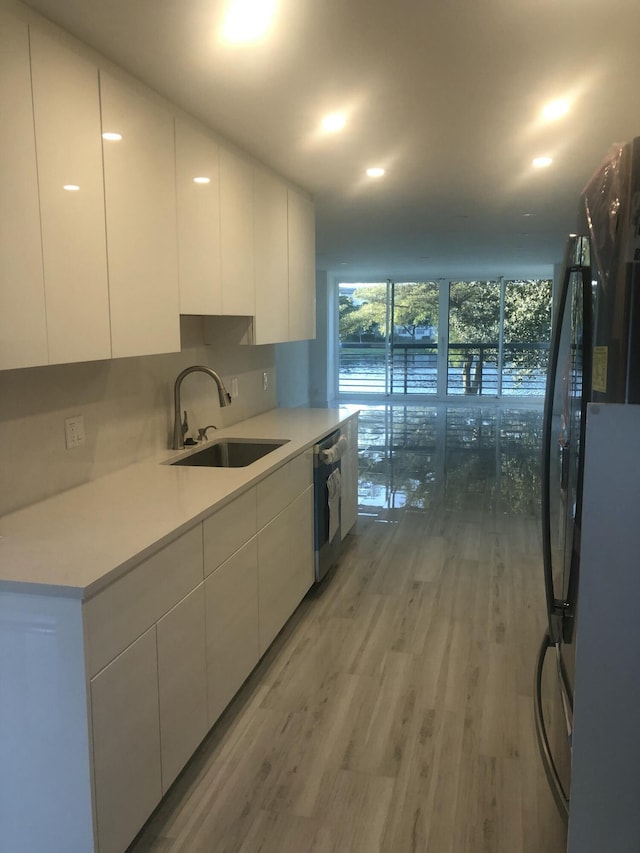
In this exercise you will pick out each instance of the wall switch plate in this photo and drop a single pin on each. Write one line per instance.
(74, 431)
(234, 387)
(265, 380)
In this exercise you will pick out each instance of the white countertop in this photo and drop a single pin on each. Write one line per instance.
(77, 542)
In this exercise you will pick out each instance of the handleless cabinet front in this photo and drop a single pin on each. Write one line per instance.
(231, 594)
(236, 234)
(271, 262)
(126, 743)
(139, 176)
(302, 266)
(182, 680)
(23, 322)
(349, 471)
(198, 197)
(285, 563)
(66, 110)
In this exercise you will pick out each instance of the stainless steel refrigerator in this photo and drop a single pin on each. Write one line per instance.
(594, 357)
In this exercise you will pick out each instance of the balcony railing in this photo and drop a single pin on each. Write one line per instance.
(472, 368)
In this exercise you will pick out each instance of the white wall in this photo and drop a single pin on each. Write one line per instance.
(305, 369)
(127, 405)
(292, 370)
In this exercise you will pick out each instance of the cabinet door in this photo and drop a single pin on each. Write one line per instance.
(198, 198)
(139, 173)
(23, 324)
(236, 235)
(302, 267)
(231, 595)
(67, 123)
(182, 677)
(126, 743)
(349, 471)
(285, 565)
(271, 260)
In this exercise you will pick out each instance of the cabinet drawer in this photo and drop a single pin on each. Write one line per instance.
(283, 486)
(115, 617)
(228, 529)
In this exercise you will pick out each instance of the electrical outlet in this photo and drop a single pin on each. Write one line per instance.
(234, 387)
(265, 380)
(74, 431)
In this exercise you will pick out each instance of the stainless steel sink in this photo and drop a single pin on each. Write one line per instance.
(230, 453)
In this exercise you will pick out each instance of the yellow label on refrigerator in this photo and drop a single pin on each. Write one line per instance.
(599, 368)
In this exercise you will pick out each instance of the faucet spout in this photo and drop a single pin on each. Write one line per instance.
(223, 396)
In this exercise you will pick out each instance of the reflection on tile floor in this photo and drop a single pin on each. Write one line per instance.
(450, 455)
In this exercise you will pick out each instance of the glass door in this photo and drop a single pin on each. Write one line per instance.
(363, 339)
(413, 351)
(442, 339)
(474, 338)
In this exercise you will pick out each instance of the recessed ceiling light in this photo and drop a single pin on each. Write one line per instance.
(555, 109)
(71, 188)
(247, 20)
(112, 137)
(542, 162)
(375, 172)
(201, 180)
(333, 122)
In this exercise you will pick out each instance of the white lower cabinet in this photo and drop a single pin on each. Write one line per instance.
(349, 471)
(285, 565)
(126, 743)
(182, 683)
(158, 654)
(231, 596)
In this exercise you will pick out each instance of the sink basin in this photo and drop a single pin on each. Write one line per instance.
(230, 453)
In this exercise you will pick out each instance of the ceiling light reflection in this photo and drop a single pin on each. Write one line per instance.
(375, 172)
(248, 20)
(542, 162)
(333, 122)
(112, 137)
(555, 109)
(201, 180)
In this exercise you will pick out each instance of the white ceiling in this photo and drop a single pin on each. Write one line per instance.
(445, 94)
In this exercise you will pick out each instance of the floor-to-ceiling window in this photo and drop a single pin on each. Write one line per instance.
(444, 338)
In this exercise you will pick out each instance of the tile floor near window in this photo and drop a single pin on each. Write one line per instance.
(394, 712)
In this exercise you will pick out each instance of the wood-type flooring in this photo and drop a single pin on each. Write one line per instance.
(394, 711)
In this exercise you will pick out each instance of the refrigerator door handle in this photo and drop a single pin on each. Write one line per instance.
(548, 763)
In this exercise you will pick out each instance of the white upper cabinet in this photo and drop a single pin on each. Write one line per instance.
(302, 267)
(23, 323)
(67, 124)
(236, 234)
(139, 174)
(198, 197)
(271, 259)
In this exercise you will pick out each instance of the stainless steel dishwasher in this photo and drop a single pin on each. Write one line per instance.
(327, 489)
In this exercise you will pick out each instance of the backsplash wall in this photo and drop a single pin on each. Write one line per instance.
(127, 405)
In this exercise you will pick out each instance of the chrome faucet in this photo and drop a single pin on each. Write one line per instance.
(223, 396)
